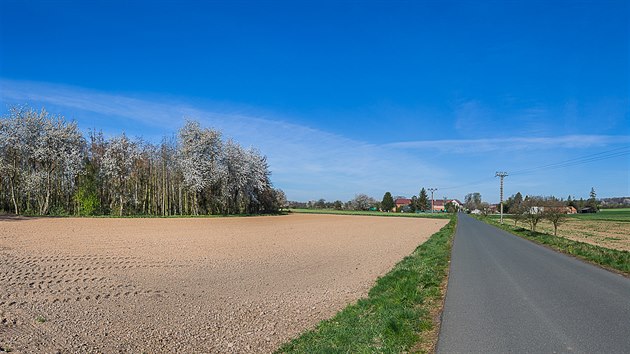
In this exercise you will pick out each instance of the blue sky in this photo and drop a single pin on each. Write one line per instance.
(348, 97)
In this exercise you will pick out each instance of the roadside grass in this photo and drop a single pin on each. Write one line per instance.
(371, 213)
(617, 260)
(398, 314)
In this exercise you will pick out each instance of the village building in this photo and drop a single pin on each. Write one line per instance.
(439, 205)
(401, 202)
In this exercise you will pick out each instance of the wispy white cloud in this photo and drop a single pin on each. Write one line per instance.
(467, 146)
(311, 163)
(307, 163)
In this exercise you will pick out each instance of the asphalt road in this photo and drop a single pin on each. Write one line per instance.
(509, 295)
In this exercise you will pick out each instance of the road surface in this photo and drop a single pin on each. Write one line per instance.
(506, 294)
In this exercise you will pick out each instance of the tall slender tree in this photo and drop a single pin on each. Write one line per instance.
(423, 200)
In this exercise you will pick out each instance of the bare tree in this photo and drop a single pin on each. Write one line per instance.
(472, 201)
(518, 213)
(533, 211)
(556, 212)
(485, 208)
(362, 202)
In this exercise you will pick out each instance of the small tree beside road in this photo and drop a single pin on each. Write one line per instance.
(518, 213)
(555, 212)
(533, 211)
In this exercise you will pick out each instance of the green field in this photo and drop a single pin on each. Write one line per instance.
(371, 213)
(622, 215)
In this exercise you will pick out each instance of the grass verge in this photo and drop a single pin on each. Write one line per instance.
(371, 213)
(616, 260)
(398, 314)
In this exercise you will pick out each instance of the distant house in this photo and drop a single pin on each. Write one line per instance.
(401, 202)
(565, 210)
(588, 210)
(440, 204)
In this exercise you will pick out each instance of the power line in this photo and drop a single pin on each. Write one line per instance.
(603, 155)
(468, 184)
(621, 151)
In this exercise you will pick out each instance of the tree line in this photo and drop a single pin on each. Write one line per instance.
(359, 202)
(515, 201)
(533, 209)
(47, 167)
(421, 203)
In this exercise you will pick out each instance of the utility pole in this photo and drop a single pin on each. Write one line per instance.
(501, 175)
(432, 190)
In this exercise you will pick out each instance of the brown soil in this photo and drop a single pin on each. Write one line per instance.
(604, 233)
(188, 285)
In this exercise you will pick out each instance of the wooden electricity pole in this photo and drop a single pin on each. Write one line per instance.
(501, 175)
(432, 190)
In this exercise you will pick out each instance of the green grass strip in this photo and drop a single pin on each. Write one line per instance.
(397, 311)
(606, 257)
(372, 213)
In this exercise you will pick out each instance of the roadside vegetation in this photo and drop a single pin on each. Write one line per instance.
(398, 314)
(614, 259)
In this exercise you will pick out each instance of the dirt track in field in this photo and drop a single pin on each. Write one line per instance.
(188, 285)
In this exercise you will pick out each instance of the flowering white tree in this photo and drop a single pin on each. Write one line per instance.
(199, 158)
(257, 178)
(118, 160)
(38, 150)
(234, 164)
(46, 167)
(11, 154)
(59, 150)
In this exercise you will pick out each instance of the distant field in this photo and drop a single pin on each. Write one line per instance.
(371, 213)
(607, 214)
(610, 228)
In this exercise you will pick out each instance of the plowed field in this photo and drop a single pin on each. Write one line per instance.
(187, 285)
